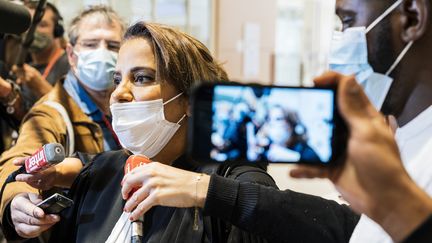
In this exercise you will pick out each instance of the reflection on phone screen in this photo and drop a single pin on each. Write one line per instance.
(271, 124)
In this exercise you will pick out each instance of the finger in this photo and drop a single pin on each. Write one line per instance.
(35, 198)
(133, 179)
(393, 124)
(309, 172)
(21, 217)
(25, 178)
(23, 204)
(19, 161)
(31, 231)
(142, 208)
(138, 196)
(353, 103)
(328, 79)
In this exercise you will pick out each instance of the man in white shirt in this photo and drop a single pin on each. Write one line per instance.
(409, 99)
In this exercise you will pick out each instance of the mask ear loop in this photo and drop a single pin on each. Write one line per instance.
(399, 58)
(380, 18)
(181, 119)
(173, 98)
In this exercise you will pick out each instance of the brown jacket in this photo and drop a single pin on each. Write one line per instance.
(44, 124)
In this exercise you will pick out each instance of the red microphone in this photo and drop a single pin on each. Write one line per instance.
(44, 157)
(132, 162)
(50, 154)
(137, 226)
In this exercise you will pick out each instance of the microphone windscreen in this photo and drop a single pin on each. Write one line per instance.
(14, 18)
(55, 153)
(134, 161)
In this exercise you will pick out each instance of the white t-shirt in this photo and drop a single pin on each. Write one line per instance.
(415, 144)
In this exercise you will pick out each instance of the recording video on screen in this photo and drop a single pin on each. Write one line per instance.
(271, 124)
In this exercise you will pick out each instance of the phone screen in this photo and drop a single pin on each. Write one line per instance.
(265, 124)
(55, 204)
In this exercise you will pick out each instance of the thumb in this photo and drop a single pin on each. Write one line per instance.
(352, 101)
(19, 161)
(35, 198)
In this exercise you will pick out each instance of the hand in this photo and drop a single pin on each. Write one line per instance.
(30, 76)
(30, 221)
(162, 185)
(372, 178)
(27, 74)
(372, 157)
(42, 180)
(5, 88)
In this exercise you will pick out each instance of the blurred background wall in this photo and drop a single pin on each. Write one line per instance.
(283, 42)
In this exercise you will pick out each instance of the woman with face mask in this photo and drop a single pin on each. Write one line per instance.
(284, 138)
(156, 70)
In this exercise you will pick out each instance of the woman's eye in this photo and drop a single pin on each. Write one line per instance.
(142, 79)
(116, 80)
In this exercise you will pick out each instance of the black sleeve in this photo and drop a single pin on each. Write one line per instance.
(422, 234)
(279, 215)
(65, 230)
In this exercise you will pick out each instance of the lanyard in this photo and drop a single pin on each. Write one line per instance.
(109, 126)
(59, 52)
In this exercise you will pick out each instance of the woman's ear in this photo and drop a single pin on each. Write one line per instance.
(415, 19)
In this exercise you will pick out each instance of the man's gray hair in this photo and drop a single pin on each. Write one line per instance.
(108, 15)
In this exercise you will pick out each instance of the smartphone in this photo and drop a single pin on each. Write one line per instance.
(265, 124)
(55, 204)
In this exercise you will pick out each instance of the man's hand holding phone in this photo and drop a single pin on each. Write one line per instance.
(28, 219)
(371, 177)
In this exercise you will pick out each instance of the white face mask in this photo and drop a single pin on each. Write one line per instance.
(349, 56)
(95, 68)
(141, 126)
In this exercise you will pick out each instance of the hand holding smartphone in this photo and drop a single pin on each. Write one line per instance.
(266, 124)
(55, 204)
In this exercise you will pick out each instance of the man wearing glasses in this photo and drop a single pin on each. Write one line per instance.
(94, 41)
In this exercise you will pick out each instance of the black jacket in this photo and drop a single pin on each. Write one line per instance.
(279, 216)
(98, 206)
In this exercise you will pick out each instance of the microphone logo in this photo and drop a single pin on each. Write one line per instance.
(38, 160)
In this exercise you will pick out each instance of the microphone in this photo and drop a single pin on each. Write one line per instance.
(48, 155)
(137, 226)
(14, 18)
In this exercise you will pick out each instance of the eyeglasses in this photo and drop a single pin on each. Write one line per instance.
(93, 44)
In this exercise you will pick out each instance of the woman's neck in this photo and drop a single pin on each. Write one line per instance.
(175, 148)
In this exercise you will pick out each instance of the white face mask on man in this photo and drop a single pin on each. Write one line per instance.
(95, 68)
(141, 127)
(349, 56)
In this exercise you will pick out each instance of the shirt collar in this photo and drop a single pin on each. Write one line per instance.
(416, 126)
(79, 95)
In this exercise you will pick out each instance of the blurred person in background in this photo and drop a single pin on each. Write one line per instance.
(284, 138)
(82, 97)
(49, 61)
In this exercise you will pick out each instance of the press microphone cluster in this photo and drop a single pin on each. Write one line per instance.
(14, 18)
(50, 154)
(137, 226)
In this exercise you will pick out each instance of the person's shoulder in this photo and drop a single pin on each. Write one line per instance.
(110, 159)
(250, 173)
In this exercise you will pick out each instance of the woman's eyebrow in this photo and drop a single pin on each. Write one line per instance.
(146, 69)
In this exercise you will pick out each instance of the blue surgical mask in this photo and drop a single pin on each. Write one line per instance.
(349, 56)
(95, 68)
